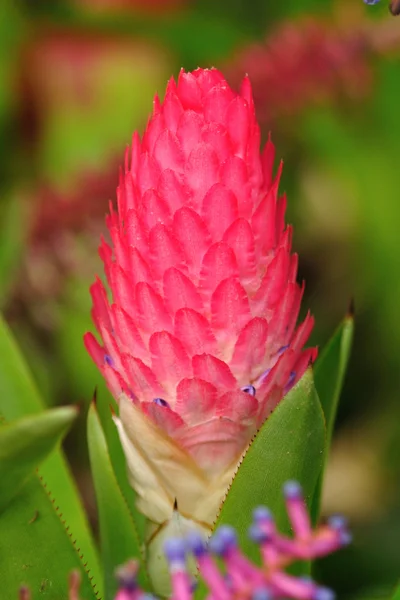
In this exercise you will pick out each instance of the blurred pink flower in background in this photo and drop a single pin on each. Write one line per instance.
(200, 342)
(69, 84)
(303, 63)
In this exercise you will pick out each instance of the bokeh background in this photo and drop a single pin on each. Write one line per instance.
(77, 77)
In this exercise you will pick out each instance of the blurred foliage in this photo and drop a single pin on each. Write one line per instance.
(76, 81)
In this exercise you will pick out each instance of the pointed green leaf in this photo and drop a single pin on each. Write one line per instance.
(85, 378)
(329, 373)
(25, 443)
(118, 535)
(118, 461)
(19, 397)
(330, 370)
(289, 445)
(37, 549)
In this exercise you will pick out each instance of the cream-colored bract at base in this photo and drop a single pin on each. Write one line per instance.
(163, 475)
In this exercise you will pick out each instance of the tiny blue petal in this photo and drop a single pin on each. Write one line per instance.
(337, 522)
(227, 534)
(345, 538)
(292, 490)
(225, 537)
(262, 514)
(161, 402)
(108, 360)
(263, 377)
(292, 377)
(283, 349)
(249, 389)
(175, 549)
(323, 593)
(196, 543)
(261, 594)
(257, 535)
(216, 545)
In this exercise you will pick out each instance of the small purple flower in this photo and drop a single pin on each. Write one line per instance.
(240, 578)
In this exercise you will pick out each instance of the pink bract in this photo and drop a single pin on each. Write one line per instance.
(201, 333)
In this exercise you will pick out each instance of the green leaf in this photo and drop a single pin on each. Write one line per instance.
(84, 378)
(288, 446)
(37, 549)
(118, 535)
(330, 370)
(396, 594)
(19, 397)
(104, 405)
(25, 443)
(13, 226)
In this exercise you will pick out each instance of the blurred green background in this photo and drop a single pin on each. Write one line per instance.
(77, 78)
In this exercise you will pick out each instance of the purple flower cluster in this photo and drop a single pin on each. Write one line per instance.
(240, 577)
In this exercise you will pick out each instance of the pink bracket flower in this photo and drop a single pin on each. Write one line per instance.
(200, 341)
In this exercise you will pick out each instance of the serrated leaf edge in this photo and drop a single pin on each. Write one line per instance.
(141, 544)
(69, 534)
(251, 442)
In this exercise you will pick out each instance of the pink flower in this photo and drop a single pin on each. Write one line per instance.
(241, 578)
(200, 342)
(305, 63)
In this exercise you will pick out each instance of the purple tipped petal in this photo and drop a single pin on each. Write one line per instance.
(223, 539)
(161, 402)
(228, 535)
(292, 490)
(175, 550)
(261, 514)
(126, 576)
(297, 510)
(196, 543)
(233, 575)
(108, 360)
(217, 546)
(257, 534)
(249, 389)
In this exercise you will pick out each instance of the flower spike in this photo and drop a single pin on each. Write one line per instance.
(199, 341)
